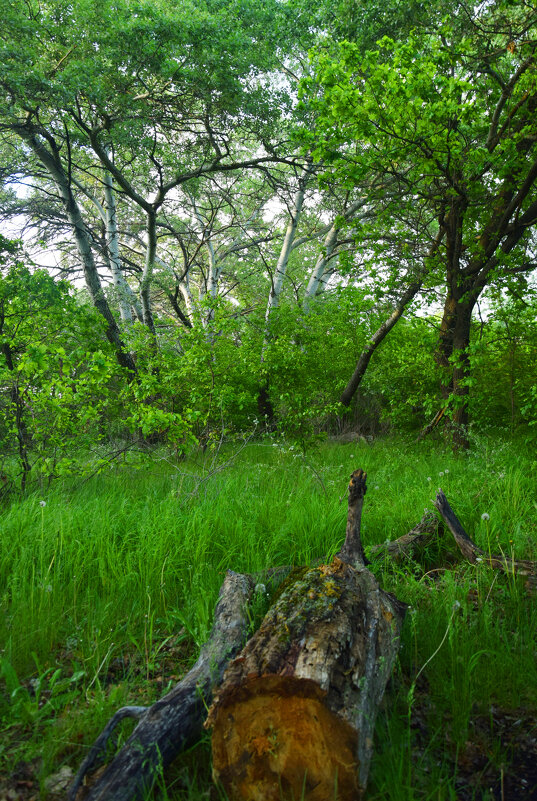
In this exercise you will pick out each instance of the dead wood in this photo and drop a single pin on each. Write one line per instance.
(295, 713)
(475, 554)
(425, 533)
(432, 425)
(175, 721)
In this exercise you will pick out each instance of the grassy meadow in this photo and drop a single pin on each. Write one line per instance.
(108, 586)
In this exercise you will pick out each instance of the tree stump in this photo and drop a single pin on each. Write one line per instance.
(295, 713)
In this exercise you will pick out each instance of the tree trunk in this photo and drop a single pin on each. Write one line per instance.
(147, 274)
(454, 357)
(17, 404)
(377, 338)
(124, 292)
(51, 161)
(295, 713)
(285, 252)
(319, 275)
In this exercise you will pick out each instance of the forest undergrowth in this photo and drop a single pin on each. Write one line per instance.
(108, 588)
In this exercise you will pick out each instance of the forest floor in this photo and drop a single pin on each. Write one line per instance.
(107, 589)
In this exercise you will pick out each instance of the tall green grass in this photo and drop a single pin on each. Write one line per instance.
(91, 572)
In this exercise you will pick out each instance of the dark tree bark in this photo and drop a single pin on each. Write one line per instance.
(453, 356)
(422, 535)
(473, 553)
(295, 713)
(377, 338)
(176, 721)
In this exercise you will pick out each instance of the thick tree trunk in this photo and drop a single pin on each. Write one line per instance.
(295, 713)
(453, 356)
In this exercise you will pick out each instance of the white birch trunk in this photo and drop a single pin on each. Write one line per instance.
(83, 241)
(319, 278)
(287, 246)
(125, 295)
(147, 274)
(188, 298)
(214, 271)
(108, 214)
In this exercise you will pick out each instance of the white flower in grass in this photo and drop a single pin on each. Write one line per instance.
(429, 478)
(377, 487)
(42, 503)
(485, 516)
(446, 471)
(441, 473)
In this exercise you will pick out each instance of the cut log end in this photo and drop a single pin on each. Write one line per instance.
(274, 739)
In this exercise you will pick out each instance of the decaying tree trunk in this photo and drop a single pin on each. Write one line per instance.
(295, 713)
(176, 721)
(422, 535)
(521, 567)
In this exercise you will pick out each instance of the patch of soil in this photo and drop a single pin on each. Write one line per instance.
(499, 757)
(22, 783)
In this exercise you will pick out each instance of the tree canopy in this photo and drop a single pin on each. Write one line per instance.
(255, 194)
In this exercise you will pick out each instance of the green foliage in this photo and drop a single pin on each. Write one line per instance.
(504, 370)
(47, 694)
(55, 373)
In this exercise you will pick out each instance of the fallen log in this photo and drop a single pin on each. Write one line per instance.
(295, 713)
(474, 553)
(422, 535)
(174, 722)
(432, 425)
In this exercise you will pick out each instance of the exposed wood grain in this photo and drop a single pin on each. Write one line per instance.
(295, 714)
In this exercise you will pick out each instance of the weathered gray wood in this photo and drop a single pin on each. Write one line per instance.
(295, 713)
(176, 721)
